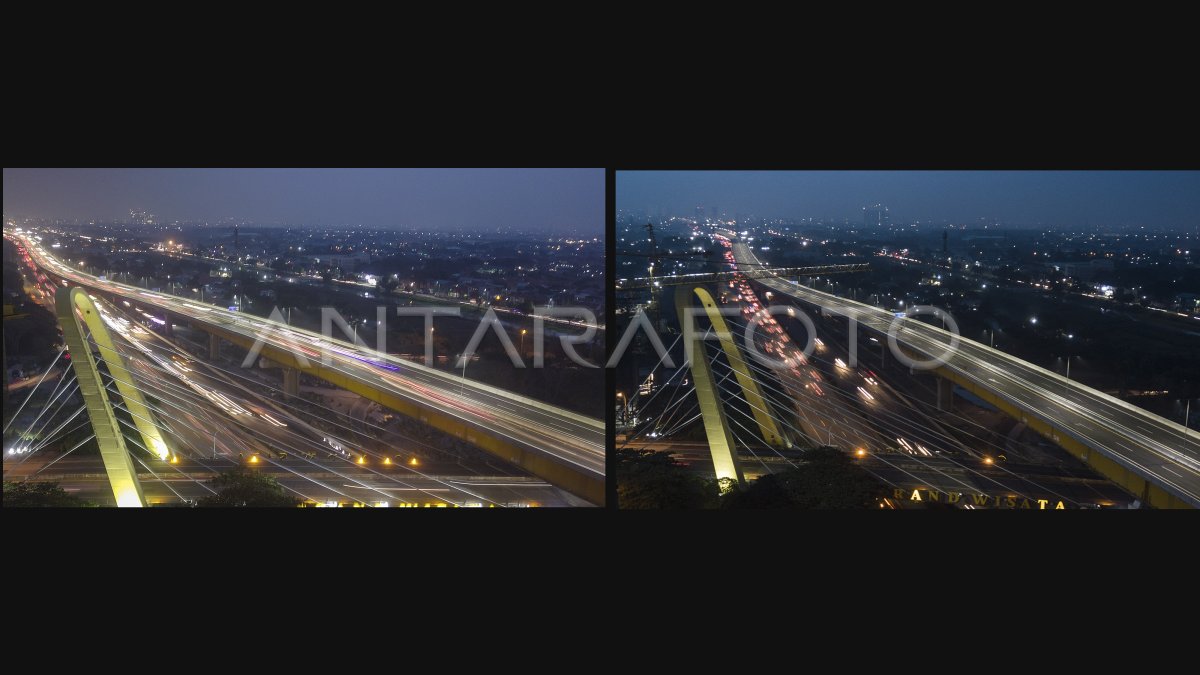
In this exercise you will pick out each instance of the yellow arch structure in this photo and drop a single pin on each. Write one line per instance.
(75, 308)
(716, 426)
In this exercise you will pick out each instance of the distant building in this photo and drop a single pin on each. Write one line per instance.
(1082, 270)
(876, 216)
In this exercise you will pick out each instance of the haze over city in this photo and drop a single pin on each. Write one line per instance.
(561, 201)
(1018, 198)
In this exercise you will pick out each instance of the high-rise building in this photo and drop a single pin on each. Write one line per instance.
(699, 214)
(876, 216)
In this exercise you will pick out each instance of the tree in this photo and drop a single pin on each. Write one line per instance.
(242, 487)
(40, 493)
(647, 479)
(826, 478)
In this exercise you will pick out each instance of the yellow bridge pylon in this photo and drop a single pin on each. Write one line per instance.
(716, 425)
(74, 309)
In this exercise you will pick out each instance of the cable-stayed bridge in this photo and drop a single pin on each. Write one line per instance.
(557, 446)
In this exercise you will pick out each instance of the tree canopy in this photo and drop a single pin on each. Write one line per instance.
(825, 478)
(40, 493)
(647, 479)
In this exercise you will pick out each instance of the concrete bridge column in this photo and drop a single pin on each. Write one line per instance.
(214, 347)
(291, 381)
(945, 394)
(168, 329)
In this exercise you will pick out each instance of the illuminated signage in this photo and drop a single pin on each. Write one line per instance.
(976, 500)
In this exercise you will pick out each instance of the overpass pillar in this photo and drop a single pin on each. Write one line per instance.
(168, 329)
(214, 347)
(945, 394)
(291, 381)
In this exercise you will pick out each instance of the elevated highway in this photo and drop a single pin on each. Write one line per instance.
(564, 448)
(1153, 458)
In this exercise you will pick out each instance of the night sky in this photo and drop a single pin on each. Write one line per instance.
(1069, 198)
(568, 201)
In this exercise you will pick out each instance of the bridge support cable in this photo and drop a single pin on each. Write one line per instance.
(731, 396)
(837, 390)
(51, 463)
(313, 446)
(52, 434)
(300, 452)
(904, 426)
(688, 418)
(338, 424)
(32, 434)
(813, 400)
(52, 404)
(29, 396)
(637, 396)
(51, 439)
(897, 424)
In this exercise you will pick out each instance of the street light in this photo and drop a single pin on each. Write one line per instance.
(523, 331)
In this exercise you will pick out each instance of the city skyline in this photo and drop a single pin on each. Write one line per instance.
(559, 201)
(1022, 198)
